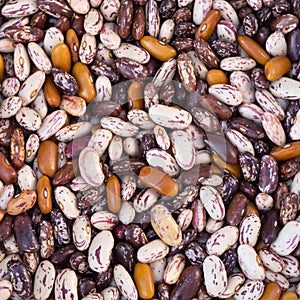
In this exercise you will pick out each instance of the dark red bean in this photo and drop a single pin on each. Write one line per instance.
(270, 226)
(236, 209)
(188, 284)
(24, 234)
(6, 227)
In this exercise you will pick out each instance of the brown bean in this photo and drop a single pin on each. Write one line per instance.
(113, 193)
(236, 209)
(73, 43)
(52, 95)
(214, 105)
(7, 173)
(65, 174)
(44, 194)
(125, 17)
(39, 20)
(17, 148)
(47, 158)
(86, 87)
(139, 23)
(188, 284)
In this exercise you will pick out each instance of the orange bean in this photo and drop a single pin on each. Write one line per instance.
(144, 281)
(215, 76)
(289, 296)
(113, 194)
(208, 25)
(73, 43)
(135, 95)
(2, 68)
(158, 49)
(2, 212)
(44, 194)
(21, 203)
(86, 87)
(158, 181)
(52, 95)
(47, 158)
(286, 152)
(272, 291)
(276, 67)
(253, 49)
(61, 57)
(251, 209)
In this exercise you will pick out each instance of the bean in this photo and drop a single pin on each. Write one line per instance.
(188, 284)
(208, 24)
(113, 194)
(159, 181)
(22, 202)
(25, 238)
(7, 173)
(277, 67)
(144, 177)
(143, 279)
(86, 88)
(47, 158)
(253, 49)
(22, 285)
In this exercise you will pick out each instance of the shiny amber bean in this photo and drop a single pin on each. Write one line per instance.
(286, 152)
(113, 194)
(158, 49)
(135, 95)
(83, 76)
(253, 49)
(251, 209)
(2, 212)
(7, 173)
(61, 57)
(158, 181)
(289, 296)
(2, 68)
(47, 158)
(73, 43)
(208, 25)
(272, 292)
(44, 194)
(52, 95)
(235, 169)
(215, 76)
(276, 67)
(144, 281)
(21, 203)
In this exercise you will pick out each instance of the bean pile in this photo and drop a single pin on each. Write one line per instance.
(149, 149)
